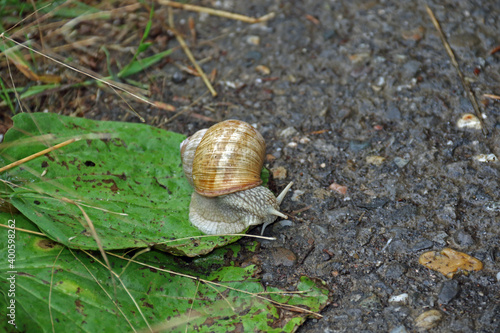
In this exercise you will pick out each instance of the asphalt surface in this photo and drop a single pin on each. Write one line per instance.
(364, 95)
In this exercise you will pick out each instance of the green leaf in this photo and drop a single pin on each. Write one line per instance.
(148, 25)
(136, 65)
(127, 178)
(139, 65)
(62, 290)
(143, 47)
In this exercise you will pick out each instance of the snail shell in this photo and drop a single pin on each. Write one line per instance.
(188, 148)
(229, 158)
(223, 164)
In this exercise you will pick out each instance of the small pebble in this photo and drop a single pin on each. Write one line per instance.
(400, 162)
(364, 235)
(399, 329)
(395, 271)
(415, 34)
(338, 188)
(423, 245)
(288, 132)
(448, 291)
(469, 120)
(356, 146)
(270, 157)
(428, 319)
(493, 206)
(358, 57)
(297, 194)
(284, 223)
(440, 238)
(486, 158)
(253, 40)
(304, 140)
(371, 302)
(279, 172)
(178, 77)
(375, 160)
(463, 239)
(264, 70)
(282, 256)
(292, 144)
(252, 57)
(400, 299)
(380, 81)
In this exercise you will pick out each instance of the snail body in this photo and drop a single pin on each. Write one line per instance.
(223, 164)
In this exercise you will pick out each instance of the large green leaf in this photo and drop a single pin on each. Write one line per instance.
(62, 290)
(126, 177)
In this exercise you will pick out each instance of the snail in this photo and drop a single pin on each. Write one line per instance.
(223, 163)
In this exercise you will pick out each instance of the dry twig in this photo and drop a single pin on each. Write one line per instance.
(186, 50)
(216, 12)
(40, 153)
(492, 96)
(465, 83)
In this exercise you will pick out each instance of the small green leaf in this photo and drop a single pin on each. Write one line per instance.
(139, 65)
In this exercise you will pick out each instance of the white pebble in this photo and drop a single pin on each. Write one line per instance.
(253, 40)
(468, 120)
(399, 298)
(304, 140)
(297, 194)
(486, 158)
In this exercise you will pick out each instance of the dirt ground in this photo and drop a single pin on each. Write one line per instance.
(360, 94)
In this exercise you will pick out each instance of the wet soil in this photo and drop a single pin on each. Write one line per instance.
(361, 94)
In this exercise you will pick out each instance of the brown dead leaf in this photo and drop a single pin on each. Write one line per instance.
(49, 78)
(27, 71)
(448, 262)
(164, 106)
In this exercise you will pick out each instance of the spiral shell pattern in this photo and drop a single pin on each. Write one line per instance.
(188, 149)
(228, 158)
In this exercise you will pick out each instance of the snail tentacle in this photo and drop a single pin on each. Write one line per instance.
(283, 193)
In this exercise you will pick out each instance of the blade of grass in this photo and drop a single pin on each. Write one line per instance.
(112, 74)
(142, 64)
(5, 96)
(142, 46)
(26, 92)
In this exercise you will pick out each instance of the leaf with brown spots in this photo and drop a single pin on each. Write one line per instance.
(126, 177)
(214, 295)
